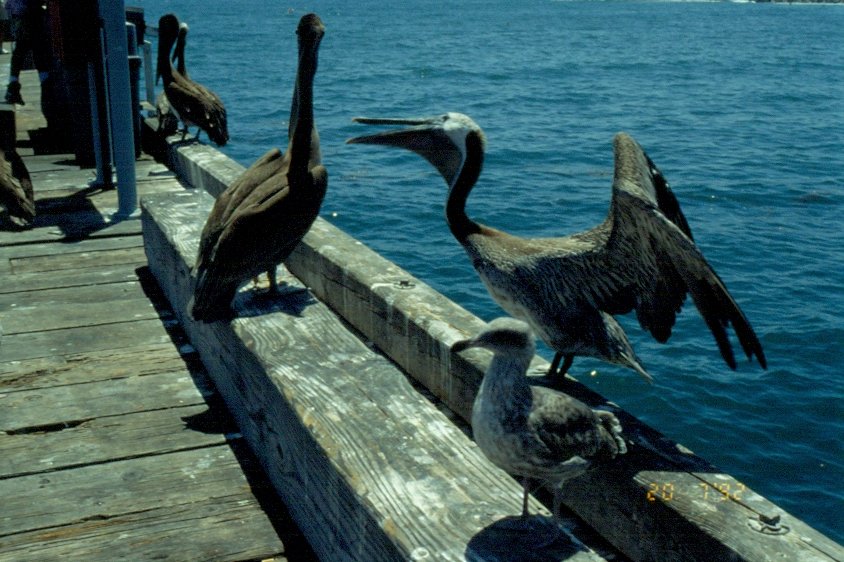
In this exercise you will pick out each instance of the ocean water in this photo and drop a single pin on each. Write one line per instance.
(742, 107)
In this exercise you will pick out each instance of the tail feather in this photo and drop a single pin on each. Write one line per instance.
(611, 432)
(212, 298)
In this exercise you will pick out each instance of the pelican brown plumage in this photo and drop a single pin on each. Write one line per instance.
(16, 193)
(642, 257)
(257, 222)
(530, 431)
(194, 103)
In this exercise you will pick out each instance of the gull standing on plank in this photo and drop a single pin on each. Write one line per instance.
(534, 432)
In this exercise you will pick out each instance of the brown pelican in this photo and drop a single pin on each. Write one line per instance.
(642, 257)
(262, 216)
(194, 103)
(16, 193)
(168, 120)
(534, 432)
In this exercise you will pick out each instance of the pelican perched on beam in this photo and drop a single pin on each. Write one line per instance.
(534, 432)
(262, 216)
(16, 193)
(194, 103)
(642, 257)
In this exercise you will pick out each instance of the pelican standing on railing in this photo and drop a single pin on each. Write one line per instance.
(195, 104)
(530, 431)
(257, 222)
(642, 257)
(181, 63)
(16, 193)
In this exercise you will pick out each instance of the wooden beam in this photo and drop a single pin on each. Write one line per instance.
(369, 468)
(662, 503)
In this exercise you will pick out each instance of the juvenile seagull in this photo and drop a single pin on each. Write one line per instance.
(642, 257)
(534, 432)
(257, 222)
(194, 103)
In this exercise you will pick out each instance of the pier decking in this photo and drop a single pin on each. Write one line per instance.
(126, 428)
(113, 442)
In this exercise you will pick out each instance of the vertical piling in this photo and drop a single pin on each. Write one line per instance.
(113, 14)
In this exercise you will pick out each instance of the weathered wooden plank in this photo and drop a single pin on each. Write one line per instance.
(370, 469)
(107, 491)
(414, 325)
(68, 247)
(26, 411)
(68, 197)
(75, 368)
(17, 283)
(110, 437)
(79, 306)
(51, 314)
(53, 185)
(85, 294)
(77, 260)
(17, 347)
(220, 529)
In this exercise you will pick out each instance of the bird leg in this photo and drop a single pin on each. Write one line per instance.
(562, 370)
(526, 487)
(271, 275)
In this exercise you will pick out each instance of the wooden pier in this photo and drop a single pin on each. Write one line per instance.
(114, 445)
(313, 401)
(117, 440)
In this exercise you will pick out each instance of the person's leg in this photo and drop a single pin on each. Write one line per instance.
(22, 45)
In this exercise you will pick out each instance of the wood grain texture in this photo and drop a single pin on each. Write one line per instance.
(79, 367)
(219, 528)
(102, 439)
(60, 502)
(414, 326)
(113, 445)
(369, 468)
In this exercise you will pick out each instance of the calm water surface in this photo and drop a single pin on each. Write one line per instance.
(740, 105)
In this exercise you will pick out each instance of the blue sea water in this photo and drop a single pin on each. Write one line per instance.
(742, 107)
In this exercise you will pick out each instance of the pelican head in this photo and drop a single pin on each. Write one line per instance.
(505, 336)
(310, 29)
(440, 139)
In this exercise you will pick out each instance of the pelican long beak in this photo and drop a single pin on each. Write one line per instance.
(419, 128)
(426, 136)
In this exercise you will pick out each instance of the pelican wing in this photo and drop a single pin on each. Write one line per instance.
(229, 200)
(196, 104)
(267, 224)
(641, 258)
(658, 263)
